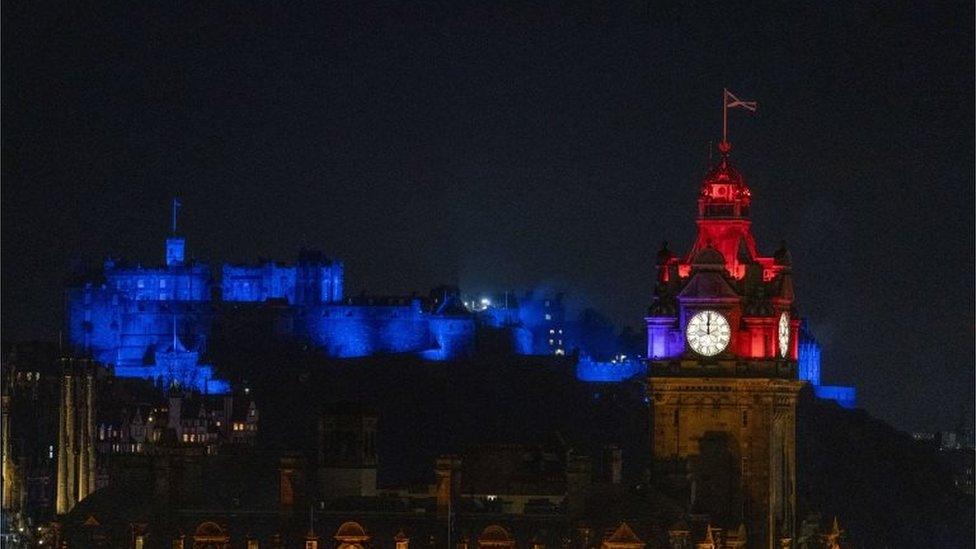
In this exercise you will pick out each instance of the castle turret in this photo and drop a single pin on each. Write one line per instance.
(175, 245)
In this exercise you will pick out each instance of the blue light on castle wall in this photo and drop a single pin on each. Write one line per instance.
(809, 370)
(355, 331)
(352, 331)
(844, 396)
(178, 368)
(614, 371)
(809, 356)
(453, 338)
(309, 283)
(523, 341)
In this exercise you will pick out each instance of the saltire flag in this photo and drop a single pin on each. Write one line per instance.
(733, 102)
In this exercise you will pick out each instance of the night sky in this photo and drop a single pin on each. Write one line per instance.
(501, 147)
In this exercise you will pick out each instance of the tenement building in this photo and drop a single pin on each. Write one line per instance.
(722, 349)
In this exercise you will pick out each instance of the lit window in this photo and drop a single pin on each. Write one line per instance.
(50, 452)
(548, 316)
(141, 283)
(186, 437)
(550, 342)
(551, 331)
(162, 282)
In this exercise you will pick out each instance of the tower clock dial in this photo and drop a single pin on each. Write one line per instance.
(784, 334)
(708, 333)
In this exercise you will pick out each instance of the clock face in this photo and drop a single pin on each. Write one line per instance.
(708, 333)
(784, 334)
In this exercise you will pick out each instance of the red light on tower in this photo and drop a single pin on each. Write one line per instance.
(722, 330)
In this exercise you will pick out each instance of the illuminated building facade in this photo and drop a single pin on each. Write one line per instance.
(150, 323)
(809, 371)
(722, 347)
(76, 426)
(535, 321)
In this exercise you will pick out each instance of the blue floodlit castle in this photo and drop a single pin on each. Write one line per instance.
(154, 322)
(148, 322)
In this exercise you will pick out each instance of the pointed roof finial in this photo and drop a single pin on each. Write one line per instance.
(709, 538)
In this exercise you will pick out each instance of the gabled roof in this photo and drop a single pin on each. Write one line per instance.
(708, 284)
(91, 521)
(623, 538)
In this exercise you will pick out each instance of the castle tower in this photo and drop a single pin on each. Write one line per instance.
(723, 367)
(76, 452)
(175, 245)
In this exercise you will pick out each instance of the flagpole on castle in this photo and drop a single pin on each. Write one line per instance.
(176, 207)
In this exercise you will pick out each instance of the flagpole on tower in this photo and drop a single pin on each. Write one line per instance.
(729, 100)
(725, 117)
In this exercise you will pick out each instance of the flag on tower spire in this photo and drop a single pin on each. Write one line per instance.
(730, 101)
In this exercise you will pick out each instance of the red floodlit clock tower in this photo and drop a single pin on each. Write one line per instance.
(722, 356)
